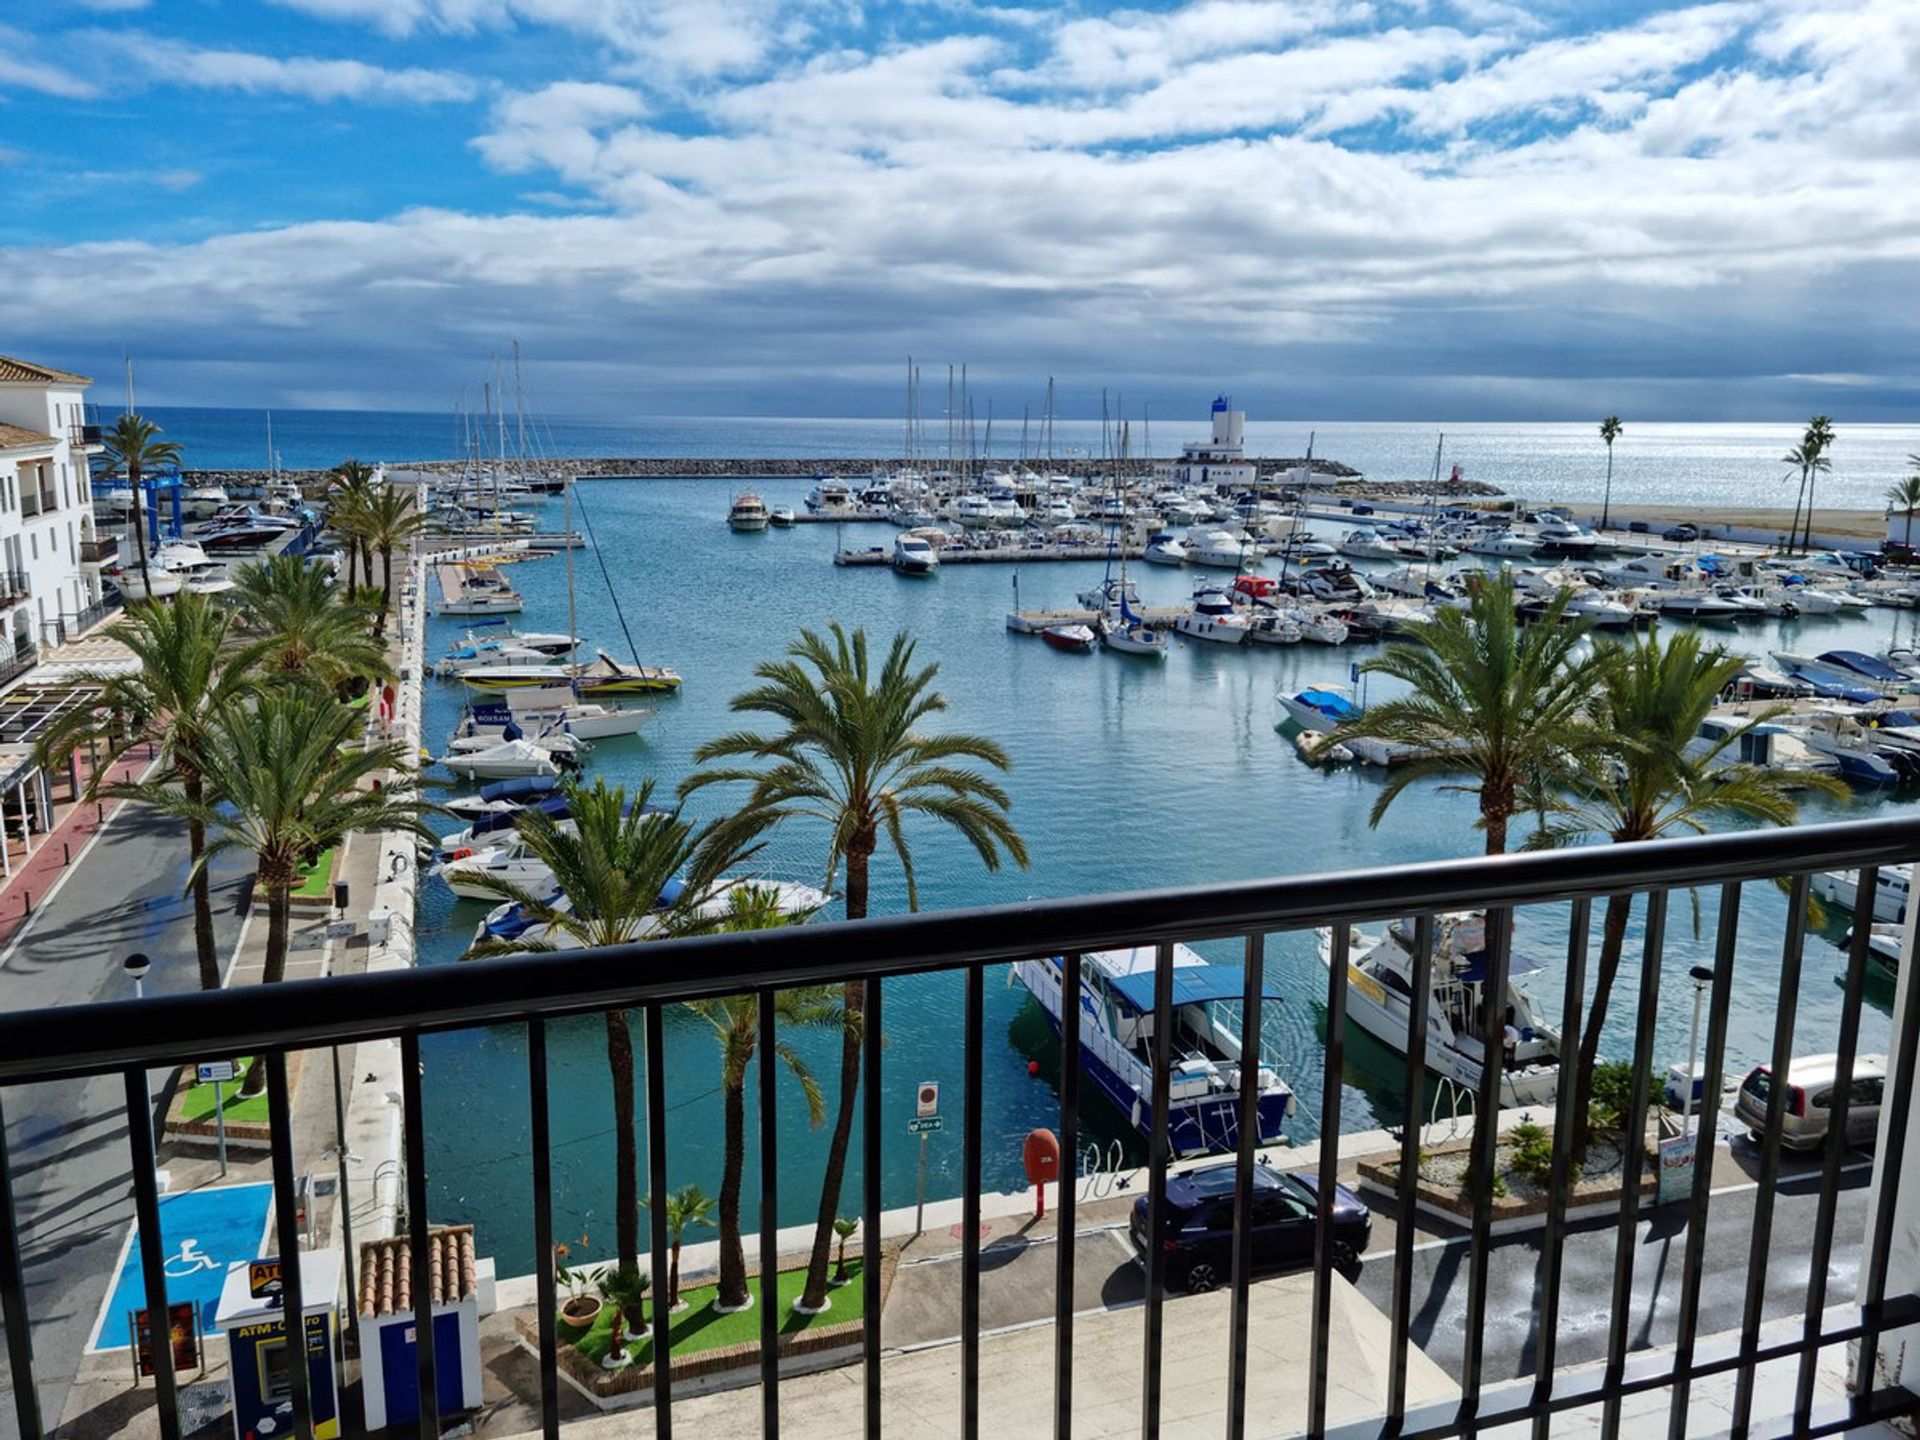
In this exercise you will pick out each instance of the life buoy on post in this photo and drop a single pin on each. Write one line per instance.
(1040, 1153)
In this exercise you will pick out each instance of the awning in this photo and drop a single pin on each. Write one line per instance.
(1192, 985)
(1475, 971)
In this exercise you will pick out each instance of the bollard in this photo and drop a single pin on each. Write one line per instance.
(66, 853)
(26, 907)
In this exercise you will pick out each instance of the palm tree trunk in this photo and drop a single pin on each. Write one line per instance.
(195, 791)
(353, 560)
(366, 561)
(139, 527)
(386, 588)
(673, 1277)
(1606, 505)
(1806, 542)
(1909, 527)
(859, 850)
(1496, 809)
(279, 912)
(1793, 532)
(1613, 941)
(626, 1190)
(733, 1259)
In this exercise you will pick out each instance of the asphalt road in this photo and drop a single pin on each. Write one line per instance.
(68, 1142)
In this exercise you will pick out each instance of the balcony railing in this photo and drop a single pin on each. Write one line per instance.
(14, 586)
(129, 1037)
(83, 435)
(100, 552)
(15, 663)
(30, 503)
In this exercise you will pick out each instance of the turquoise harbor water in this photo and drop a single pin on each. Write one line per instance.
(1127, 775)
(1654, 463)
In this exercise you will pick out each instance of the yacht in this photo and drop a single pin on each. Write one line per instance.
(554, 709)
(1699, 605)
(149, 582)
(1003, 509)
(1369, 545)
(1840, 888)
(1109, 594)
(1213, 616)
(1165, 549)
(507, 759)
(1380, 975)
(501, 797)
(749, 512)
(511, 862)
(973, 509)
(1502, 546)
(1220, 548)
(1271, 627)
(1558, 535)
(830, 496)
(1116, 1006)
(912, 555)
(781, 517)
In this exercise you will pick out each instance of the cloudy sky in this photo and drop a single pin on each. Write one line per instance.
(1335, 208)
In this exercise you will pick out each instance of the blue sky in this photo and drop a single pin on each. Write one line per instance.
(1342, 208)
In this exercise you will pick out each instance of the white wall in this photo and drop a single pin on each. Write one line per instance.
(47, 544)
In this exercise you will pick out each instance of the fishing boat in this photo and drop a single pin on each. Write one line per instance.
(1116, 1005)
(1380, 979)
(1841, 889)
(1213, 616)
(913, 555)
(749, 512)
(1073, 638)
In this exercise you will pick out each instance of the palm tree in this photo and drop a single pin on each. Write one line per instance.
(613, 863)
(285, 779)
(133, 445)
(1652, 699)
(390, 520)
(1492, 701)
(1818, 439)
(849, 755)
(347, 498)
(305, 627)
(1905, 498)
(1610, 429)
(1807, 459)
(189, 669)
(689, 1205)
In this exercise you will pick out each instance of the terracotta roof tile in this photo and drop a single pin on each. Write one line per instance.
(15, 437)
(12, 369)
(386, 1270)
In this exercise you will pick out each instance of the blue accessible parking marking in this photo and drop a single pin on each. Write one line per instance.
(205, 1233)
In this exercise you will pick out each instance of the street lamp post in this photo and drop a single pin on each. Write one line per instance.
(1702, 976)
(136, 966)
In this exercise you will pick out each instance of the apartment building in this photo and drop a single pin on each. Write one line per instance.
(50, 555)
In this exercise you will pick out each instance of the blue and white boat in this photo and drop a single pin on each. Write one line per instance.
(1116, 1040)
(1318, 707)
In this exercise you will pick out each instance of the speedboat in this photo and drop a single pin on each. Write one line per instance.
(1500, 545)
(1116, 1007)
(1322, 627)
(1076, 638)
(1165, 549)
(1698, 605)
(1840, 888)
(553, 709)
(474, 658)
(1220, 548)
(475, 875)
(1109, 594)
(1368, 545)
(1380, 976)
(1213, 616)
(781, 517)
(509, 758)
(501, 797)
(749, 512)
(509, 920)
(1272, 627)
(912, 555)
(149, 582)
(1318, 708)
(546, 642)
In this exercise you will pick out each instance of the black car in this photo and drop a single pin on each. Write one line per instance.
(1681, 532)
(1197, 1226)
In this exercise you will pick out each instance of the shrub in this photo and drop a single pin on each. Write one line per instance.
(1533, 1157)
(1526, 1133)
(1611, 1096)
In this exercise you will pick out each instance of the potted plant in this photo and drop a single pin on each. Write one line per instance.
(844, 1228)
(626, 1289)
(581, 1307)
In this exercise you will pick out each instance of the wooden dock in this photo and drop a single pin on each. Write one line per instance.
(1032, 622)
(996, 554)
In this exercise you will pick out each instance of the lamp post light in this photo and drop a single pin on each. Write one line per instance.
(136, 966)
(1702, 976)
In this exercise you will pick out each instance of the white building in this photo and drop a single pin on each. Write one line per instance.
(1220, 461)
(49, 556)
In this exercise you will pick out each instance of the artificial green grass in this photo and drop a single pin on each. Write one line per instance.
(316, 880)
(700, 1327)
(197, 1101)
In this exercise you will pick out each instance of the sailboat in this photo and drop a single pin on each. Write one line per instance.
(1120, 629)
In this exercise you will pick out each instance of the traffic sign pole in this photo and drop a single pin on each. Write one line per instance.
(220, 1124)
(920, 1193)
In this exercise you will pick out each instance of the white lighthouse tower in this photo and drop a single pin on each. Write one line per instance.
(1219, 461)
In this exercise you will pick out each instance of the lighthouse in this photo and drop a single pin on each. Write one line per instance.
(1219, 461)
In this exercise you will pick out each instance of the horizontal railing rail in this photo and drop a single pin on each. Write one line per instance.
(131, 1037)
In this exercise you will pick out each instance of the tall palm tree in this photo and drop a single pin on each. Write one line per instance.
(613, 864)
(1904, 497)
(1610, 429)
(1656, 780)
(285, 779)
(1807, 459)
(1818, 438)
(687, 1206)
(189, 669)
(347, 497)
(1494, 702)
(390, 519)
(133, 445)
(848, 755)
(305, 627)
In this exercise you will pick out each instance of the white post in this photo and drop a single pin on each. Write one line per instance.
(1693, 1064)
(26, 828)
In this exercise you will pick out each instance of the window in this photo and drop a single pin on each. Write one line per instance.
(1821, 1100)
(1867, 1090)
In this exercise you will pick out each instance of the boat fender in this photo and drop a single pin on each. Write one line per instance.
(1033, 1067)
(460, 854)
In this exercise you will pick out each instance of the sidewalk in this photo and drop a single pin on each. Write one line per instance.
(34, 876)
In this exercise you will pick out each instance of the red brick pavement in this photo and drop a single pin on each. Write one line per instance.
(53, 851)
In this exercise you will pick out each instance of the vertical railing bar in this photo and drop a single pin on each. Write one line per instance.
(1891, 1154)
(13, 1303)
(1066, 1220)
(1783, 1023)
(540, 1139)
(970, 1206)
(1866, 893)
(1707, 1113)
(421, 1282)
(1157, 1147)
(1626, 1242)
(871, 1174)
(1546, 1305)
(769, 1224)
(1406, 1192)
(1248, 1136)
(1486, 1135)
(1329, 1175)
(658, 1239)
(286, 1208)
(153, 1250)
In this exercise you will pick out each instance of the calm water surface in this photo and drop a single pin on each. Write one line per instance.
(1127, 775)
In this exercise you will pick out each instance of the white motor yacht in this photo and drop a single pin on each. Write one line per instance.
(912, 555)
(509, 759)
(1219, 548)
(1369, 545)
(1165, 549)
(1841, 889)
(1214, 617)
(749, 512)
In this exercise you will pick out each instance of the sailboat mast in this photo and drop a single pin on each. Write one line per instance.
(520, 410)
(573, 624)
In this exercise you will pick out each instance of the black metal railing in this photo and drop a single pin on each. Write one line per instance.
(100, 552)
(14, 585)
(130, 1037)
(15, 663)
(83, 435)
(30, 503)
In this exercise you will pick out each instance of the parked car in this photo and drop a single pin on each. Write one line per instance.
(1811, 1081)
(1197, 1225)
(1681, 532)
(1360, 509)
(1638, 527)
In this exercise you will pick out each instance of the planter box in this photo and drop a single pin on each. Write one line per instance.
(241, 1134)
(1588, 1198)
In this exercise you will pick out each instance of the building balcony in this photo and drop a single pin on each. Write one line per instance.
(14, 587)
(84, 437)
(1786, 1300)
(30, 504)
(100, 552)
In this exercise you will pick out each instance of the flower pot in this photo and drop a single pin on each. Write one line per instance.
(582, 1310)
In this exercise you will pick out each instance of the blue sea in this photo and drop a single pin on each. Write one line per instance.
(1126, 775)
(1656, 464)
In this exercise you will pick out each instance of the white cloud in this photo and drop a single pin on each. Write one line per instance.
(176, 63)
(113, 6)
(176, 182)
(19, 69)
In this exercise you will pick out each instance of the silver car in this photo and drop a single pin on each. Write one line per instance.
(1811, 1081)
